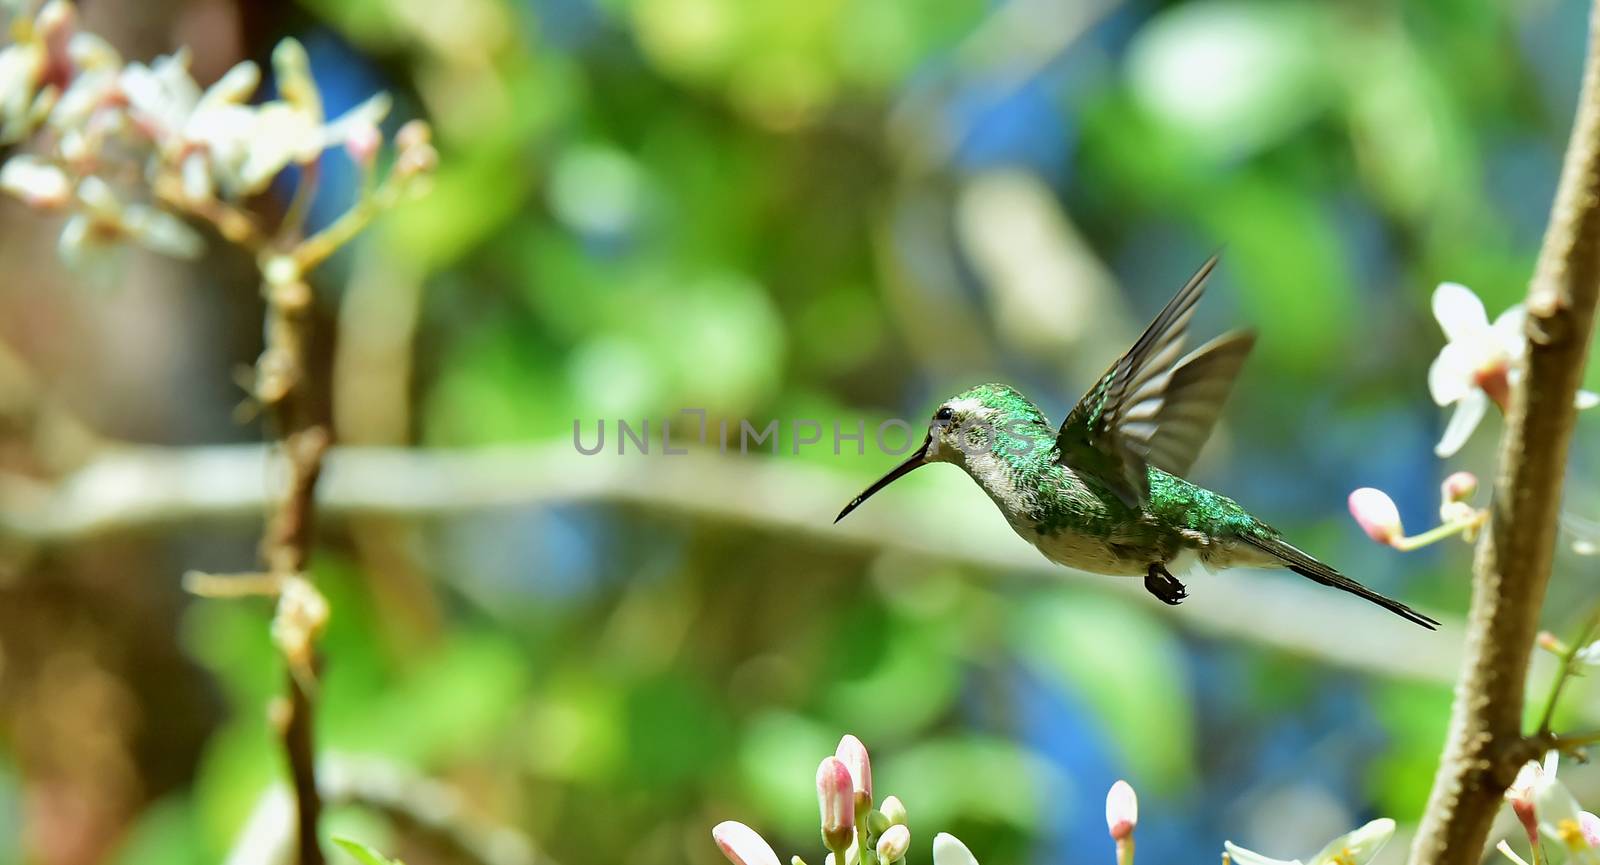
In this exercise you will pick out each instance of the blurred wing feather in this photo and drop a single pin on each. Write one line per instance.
(1111, 430)
(1195, 395)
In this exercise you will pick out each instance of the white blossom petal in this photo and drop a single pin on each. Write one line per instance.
(1358, 847)
(1451, 375)
(1460, 313)
(161, 95)
(743, 845)
(235, 87)
(370, 112)
(1559, 814)
(1250, 857)
(1469, 411)
(1586, 399)
(1508, 331)
(948, 850)
(282, 133)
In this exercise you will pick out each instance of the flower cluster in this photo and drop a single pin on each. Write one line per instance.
(856, 834)
(1544, 806)
(853, 831)
(129, 152)
(1379, 517)
(1478, 364)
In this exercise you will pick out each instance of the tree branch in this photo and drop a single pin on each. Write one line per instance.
(1512, 566)
(282, 384)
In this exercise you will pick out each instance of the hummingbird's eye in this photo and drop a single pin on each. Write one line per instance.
(945, 413)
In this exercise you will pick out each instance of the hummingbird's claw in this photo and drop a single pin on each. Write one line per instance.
(1164, 586)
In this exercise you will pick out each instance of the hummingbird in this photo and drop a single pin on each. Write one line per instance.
(1105, 492)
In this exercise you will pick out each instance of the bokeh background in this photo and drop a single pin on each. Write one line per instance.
(840, 210)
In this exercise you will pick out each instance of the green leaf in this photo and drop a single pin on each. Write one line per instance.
(364, 854)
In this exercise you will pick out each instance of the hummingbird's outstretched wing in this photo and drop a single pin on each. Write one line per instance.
(1110, 432)
(1195, 394)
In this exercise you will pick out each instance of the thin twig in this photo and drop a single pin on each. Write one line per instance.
(1565, 670)
(1485, 743)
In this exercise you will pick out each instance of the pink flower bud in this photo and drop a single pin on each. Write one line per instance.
(1377, 515)
(837, 801)
(1550, 643)
(742, 845)
(414, 134)
(1122, 810)
(1590, 826)
(854, 756)
(1459, 487)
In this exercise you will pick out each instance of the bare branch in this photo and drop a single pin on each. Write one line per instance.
(1512, 566)
(125, 489)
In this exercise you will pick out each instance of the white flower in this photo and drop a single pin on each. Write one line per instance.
(948, 850)
(1558, 813)
(1356, 848)
(743, 845)
(1479, 362)
(292, 129)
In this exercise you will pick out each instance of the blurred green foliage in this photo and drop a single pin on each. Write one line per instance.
(757, 208)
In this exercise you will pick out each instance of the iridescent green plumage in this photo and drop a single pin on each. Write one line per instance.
(1103, 493)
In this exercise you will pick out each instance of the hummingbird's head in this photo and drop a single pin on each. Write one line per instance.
(978, 421)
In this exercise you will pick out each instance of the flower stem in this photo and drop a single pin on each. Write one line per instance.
(1566, 669)
(1439, 533)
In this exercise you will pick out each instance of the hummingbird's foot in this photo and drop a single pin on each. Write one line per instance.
(1164, 586)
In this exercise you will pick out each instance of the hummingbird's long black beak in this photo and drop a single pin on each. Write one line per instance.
(894, 474)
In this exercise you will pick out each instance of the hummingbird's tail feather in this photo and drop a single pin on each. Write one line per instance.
(1303, 564)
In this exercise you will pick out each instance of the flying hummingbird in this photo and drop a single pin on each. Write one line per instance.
(1104, 493)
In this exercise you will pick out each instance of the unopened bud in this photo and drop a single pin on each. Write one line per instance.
(893, 843)
(854, 756)
(1551, 643)
(1459, 487)
(837, 802)
(1122, 810)
(895, 810)
(1377, 515)
(877, 824)
(414, 134)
